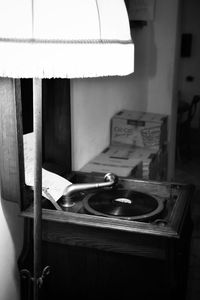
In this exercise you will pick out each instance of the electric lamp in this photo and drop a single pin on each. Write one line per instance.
(61, 39)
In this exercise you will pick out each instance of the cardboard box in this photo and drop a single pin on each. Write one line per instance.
(126, 161)
(120, 164)
(139, 129)
(149, 158)
(120, 171)
(135, 150)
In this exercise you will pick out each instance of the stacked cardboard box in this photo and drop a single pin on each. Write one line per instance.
(139, 129)
(136, 147)
(147, 158)
(116, 160)
(148, 133)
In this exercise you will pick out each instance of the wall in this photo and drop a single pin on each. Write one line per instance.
(163, 68)
(11, 230)
(151, 88)
(189, 66)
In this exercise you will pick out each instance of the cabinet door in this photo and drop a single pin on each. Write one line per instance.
(11, 154)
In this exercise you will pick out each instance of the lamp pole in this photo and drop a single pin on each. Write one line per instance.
(37, 226)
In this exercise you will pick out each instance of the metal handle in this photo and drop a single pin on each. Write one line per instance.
(109, 181)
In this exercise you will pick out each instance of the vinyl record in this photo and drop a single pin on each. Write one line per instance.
(125, 204)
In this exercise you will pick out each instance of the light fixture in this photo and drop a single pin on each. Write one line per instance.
(64, 38)
(61, 39)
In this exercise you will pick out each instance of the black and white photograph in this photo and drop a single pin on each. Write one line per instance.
(99, 149)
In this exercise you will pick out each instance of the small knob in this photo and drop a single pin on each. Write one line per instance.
(110, 177)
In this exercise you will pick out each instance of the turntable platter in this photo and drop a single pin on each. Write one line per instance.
(125, 204)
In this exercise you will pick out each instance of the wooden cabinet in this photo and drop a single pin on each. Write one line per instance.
(91, 256)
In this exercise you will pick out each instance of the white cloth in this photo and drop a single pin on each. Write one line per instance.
(53, 185)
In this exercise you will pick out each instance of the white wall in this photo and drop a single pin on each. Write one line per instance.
(164, 45)
(11, 230)
(189, 66)
(151, 88)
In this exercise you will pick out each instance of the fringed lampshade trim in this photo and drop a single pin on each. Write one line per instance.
(49, 60)
(62, 41)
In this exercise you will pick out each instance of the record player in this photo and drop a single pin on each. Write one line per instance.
(128, 205)
(110, 199)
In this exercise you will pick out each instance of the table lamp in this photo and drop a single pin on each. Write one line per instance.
(61, 39)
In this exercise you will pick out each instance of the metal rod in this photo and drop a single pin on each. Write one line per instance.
(110, 180)
(37, 108)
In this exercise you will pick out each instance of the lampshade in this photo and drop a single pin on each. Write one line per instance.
(64, 38)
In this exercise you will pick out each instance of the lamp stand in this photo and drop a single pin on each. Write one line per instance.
(38, 276)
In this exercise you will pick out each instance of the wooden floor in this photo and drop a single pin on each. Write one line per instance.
(189, 171)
